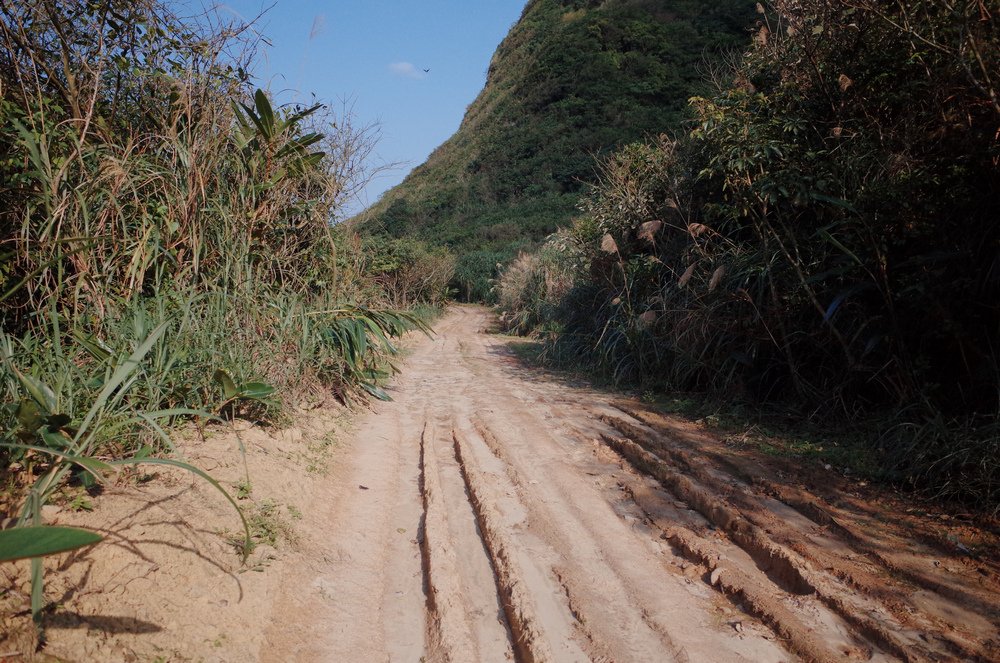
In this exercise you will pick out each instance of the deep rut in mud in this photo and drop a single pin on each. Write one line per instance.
(491, 513)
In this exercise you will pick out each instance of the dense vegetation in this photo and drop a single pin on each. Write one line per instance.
(824, 240)
(574, 79)
(166, 247)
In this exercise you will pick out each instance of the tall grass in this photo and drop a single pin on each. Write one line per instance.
(166, 245)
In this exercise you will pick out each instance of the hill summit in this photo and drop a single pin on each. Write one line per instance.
(572, 81)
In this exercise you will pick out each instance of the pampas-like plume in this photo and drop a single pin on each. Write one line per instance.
(648, 230)
(716, 278)
(686, 276)
(608, 244)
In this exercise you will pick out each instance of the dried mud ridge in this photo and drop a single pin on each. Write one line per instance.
(554, 523)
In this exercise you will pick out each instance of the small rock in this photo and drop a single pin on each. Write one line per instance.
(362, 487)
(716, 575)
(738, 627)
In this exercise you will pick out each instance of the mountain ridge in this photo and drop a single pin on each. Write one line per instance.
(573, 80)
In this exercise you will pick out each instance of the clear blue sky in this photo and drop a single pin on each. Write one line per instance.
(372, 53)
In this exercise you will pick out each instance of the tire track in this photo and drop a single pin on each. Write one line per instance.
(465, 617)
(737, 509)
(532, 626)
(606, 566)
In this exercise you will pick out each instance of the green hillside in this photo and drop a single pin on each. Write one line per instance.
(572, 81)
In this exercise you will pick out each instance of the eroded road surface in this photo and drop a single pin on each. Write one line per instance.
(492, 512)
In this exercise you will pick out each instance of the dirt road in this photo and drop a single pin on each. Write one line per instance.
(491, 513)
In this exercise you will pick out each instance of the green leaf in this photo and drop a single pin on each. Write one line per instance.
(229, 389)
(376, 391)
(44, 396)
(175, 412)
(295, 117)
(265, 112)
(120, 374)
(256, 390)
(92, 465)
(92, 345)
(55, 440)
(27, 542)
(29, 416)
(823, 233)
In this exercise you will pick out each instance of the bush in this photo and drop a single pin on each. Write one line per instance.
(474, 274)
(532, 286)
(409, 271)
(166, 248)
(825, 238)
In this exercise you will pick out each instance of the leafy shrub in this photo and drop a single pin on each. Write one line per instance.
(825, 238)
(409, 271)
(531, 287)
(474, 274)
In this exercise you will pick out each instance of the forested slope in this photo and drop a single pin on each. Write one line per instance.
(573, 80)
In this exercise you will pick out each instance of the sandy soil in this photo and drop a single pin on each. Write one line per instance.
(493, 512)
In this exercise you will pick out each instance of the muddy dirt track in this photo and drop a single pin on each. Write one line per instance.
(495, 513)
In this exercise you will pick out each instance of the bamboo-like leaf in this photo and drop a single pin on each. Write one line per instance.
(92, 465)
(55, 440)
(295, 117)
(255, 119)
(39, 391)
(176, 412)
(255, 390)
(376, 391)
(92, 345)
(266, 114)
(833, 240)
(28, 542)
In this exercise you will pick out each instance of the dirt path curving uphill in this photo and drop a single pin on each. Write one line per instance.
(490, 513)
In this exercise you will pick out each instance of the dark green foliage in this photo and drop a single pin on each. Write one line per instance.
(825, 239)
(570, 82)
